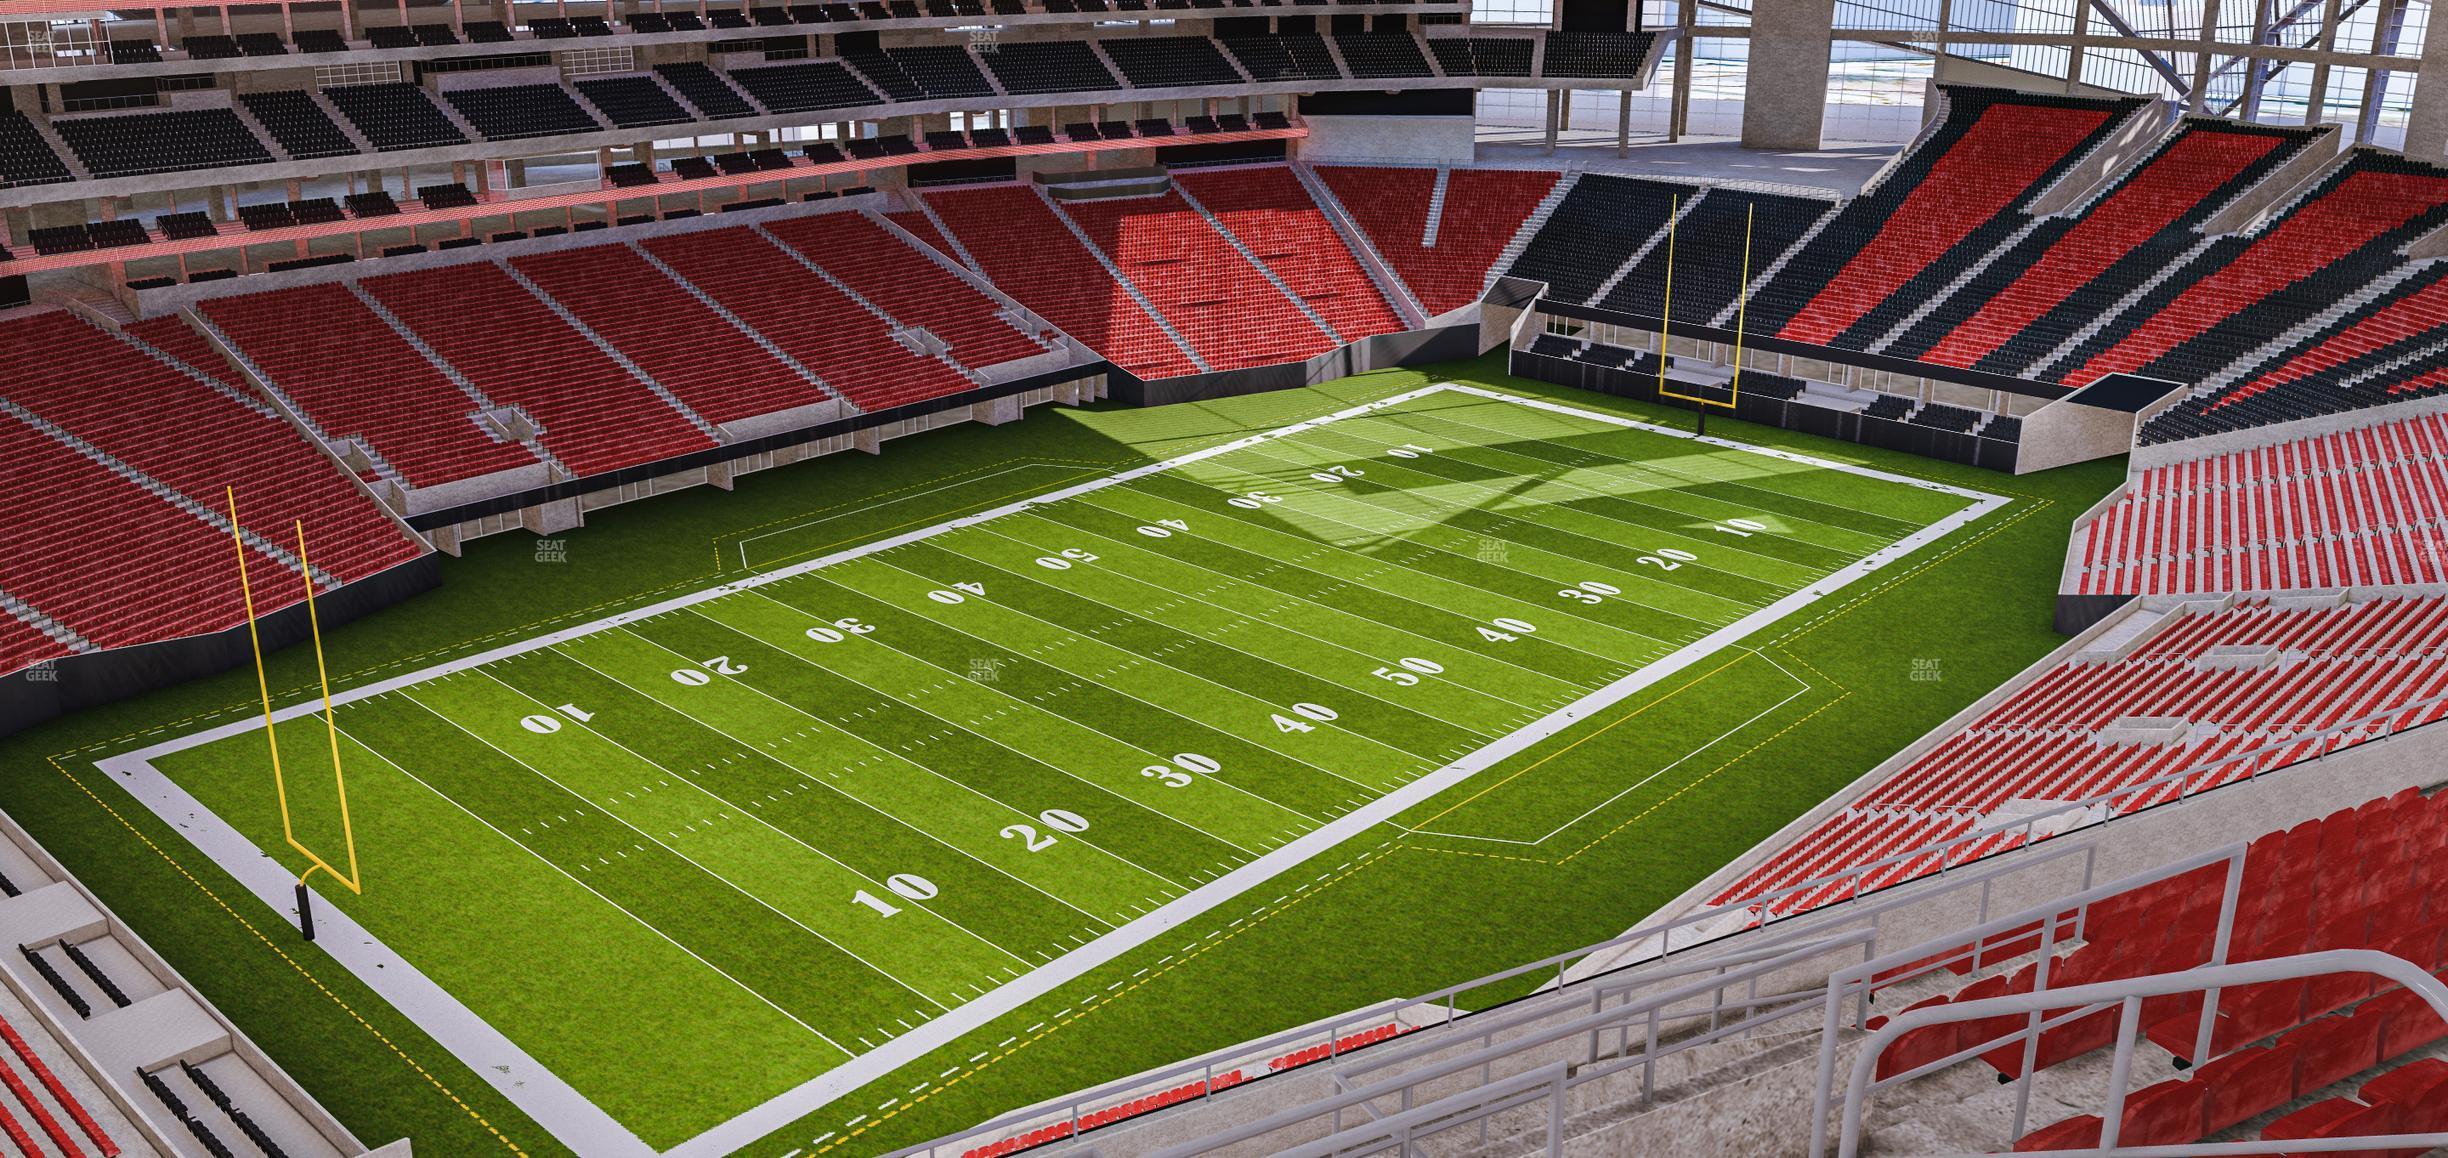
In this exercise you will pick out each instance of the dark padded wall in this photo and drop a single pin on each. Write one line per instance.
(81, 681)
(1600, 16)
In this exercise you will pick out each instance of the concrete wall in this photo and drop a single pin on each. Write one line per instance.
(2062, 433)
(1785, 98)
(1411, 140)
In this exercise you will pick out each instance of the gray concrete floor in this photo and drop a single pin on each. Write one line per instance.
(1842, 168)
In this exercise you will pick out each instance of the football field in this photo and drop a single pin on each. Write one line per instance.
(787, 834)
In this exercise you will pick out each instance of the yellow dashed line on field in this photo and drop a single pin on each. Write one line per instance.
(1480, 855)
(1671, 797)
(1853, 604)
(1620, 720)
(293, 962)
(1043, 1029)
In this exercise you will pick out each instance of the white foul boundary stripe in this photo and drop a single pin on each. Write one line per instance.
(588, 1129)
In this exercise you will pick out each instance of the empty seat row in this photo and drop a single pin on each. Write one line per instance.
(2286, 685)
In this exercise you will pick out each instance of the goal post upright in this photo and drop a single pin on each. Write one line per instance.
(1702, 402)
(263, 687)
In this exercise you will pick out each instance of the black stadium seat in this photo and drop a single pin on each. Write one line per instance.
(131, 144)
(395, 116)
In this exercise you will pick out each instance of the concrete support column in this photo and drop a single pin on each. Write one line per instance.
(1623, 123)
(1554, 102)
(2319, 102)
(2195, 101)
(2427, 116)
(1785, 87)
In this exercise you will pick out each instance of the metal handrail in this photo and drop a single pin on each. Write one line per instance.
(1206, 1066)
(1493, 1098)
(1489, 1054)
(2129, 992)
(2050, 919)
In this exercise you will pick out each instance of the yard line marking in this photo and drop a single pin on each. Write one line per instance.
(1425, 496)
(846, 794)
(990, 740)
(1646, 466)
(616, 905)
(1415, 524)
(1802, 688)
(1254, 585)
(1103, 567)
(817, 1092)
(1413, 467)
(1084, 681)
(1220, 643)
(726, 881)
(1237, 693)
(454, 1028)
(1640, 470)
(745, 565)
(1518, 604)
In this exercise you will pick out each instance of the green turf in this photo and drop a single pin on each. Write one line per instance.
(841, 805)
(1254, 611)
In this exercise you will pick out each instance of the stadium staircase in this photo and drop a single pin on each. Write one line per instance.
(2348, 233)
(330, 358)
(2181, 705)
(1269, 215)
(1390, 207)
(1105, 261)
(2316, 368)
(915, 285)
(1018, 242)
(1436, 207)
(86, 997)
(1632, 261)
(771, 289)
(1991, 1026)
(1380, 273)
(1594, 233)
(725, 369)
(608, 350)
(1273, 278)
(162, 467)
(2112, 237)
(1540, 214)
(917, 339)
(488, 411)
(589, 413)
(1231, 311)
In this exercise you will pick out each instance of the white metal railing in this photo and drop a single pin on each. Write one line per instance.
(1858, 981)
(1549, 991)
(1708, 926)
(2127, 995)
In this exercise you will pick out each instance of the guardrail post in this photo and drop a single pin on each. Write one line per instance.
(2120, 1073)
(1649, 1059)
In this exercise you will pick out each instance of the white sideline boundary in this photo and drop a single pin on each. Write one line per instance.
(1802, 687)
(588, 1129)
